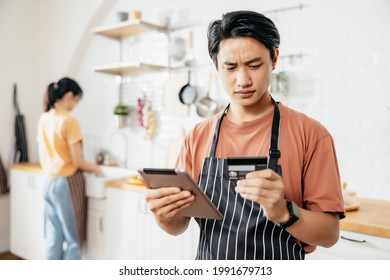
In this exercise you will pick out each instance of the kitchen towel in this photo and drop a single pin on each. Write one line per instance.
(3, 179)
(20, 153)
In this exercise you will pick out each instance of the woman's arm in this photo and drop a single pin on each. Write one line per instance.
(78, 159)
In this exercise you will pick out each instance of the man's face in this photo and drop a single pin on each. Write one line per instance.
(245, 67)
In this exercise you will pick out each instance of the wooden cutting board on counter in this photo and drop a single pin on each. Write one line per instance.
(372, 217)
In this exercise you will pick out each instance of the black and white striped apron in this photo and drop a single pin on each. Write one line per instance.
(244, 232)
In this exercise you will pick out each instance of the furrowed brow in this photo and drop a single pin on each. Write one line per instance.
(255, 59)
(228, 63)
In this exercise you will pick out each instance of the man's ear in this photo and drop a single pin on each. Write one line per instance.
(275, 61)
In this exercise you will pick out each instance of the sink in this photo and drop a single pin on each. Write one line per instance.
(95, 186)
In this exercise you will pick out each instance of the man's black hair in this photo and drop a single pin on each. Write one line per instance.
(242, 24)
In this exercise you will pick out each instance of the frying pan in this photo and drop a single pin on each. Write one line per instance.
(188, 93)
(206, 106)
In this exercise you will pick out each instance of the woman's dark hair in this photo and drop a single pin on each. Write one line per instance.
(55, 91)
(242, 24)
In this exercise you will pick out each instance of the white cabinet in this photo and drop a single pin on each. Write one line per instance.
(132, 232)
(125, 227)
(163, 246)
(354, 246)
(95, 246)
(4, 223)
(27, 218)
(27, 214)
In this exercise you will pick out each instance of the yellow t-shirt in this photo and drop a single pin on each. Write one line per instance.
(57, 131)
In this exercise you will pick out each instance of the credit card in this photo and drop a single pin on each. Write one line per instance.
(238, 167)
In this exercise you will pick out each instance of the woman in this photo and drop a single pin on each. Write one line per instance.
(60, 154)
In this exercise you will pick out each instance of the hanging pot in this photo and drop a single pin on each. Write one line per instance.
(188, 93)
(177, 48)
(206, 106)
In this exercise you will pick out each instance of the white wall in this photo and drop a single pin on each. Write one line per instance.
(19, 55)
(341, 79)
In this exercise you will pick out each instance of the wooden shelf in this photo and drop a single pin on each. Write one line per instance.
(123, 68)
(124, 29)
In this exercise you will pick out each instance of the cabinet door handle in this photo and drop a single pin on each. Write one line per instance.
(353, 240)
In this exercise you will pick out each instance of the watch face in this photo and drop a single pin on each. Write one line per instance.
(295, 209)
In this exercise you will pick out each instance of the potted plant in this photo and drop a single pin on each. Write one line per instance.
(121, 113)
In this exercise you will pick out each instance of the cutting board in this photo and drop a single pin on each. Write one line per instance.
(174, 148)
(172, 104)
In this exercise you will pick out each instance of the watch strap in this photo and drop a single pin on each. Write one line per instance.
(294, 215)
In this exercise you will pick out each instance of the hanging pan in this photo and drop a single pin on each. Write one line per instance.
(188, 93)
(206, 107)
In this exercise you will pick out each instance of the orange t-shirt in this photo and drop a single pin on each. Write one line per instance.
(57, 131)
(310, 170)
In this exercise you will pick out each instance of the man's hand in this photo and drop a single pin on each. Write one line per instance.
(266, 188)
(165, 203)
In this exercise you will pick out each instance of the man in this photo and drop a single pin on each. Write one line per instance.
(281, 212)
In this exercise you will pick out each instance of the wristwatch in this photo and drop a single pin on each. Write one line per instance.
(294, 215)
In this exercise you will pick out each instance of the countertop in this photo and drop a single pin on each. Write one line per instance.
(27, 166)
(123, 184)
(372, 217)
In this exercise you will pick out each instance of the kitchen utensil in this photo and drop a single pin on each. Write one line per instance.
(172, 104)
(122, 16)
(188, 93)
(177, 48)
(190, 59)
(206, 106)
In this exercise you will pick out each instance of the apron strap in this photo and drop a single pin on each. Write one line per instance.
(274, 152)
(214, 142)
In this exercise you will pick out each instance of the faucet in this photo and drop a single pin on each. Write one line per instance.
(123, 135)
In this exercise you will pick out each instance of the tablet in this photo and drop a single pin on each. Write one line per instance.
(202, 207)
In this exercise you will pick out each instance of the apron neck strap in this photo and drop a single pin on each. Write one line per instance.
(214, 142)
(274, 153)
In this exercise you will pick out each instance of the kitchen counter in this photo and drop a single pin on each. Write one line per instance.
(118, 183)
(372, 217)
(27, 166)
(123, 184)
